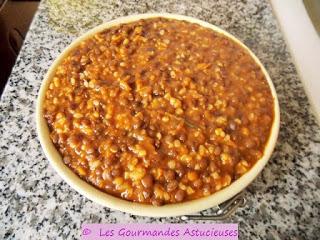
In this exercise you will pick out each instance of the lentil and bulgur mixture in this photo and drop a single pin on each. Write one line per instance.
(159, 111)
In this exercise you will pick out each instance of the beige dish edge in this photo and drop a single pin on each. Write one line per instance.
(110, 201)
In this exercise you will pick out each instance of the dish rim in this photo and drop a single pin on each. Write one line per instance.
(168, 210)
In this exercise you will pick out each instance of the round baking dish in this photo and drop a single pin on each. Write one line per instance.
(137, 208)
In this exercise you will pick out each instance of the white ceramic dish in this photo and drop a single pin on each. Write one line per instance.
(137, 208)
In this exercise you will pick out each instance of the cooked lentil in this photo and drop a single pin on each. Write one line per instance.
(159, 111)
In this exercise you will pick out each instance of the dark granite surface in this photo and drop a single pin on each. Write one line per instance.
(283, 202)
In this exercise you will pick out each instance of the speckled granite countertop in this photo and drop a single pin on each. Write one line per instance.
(283, 202)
